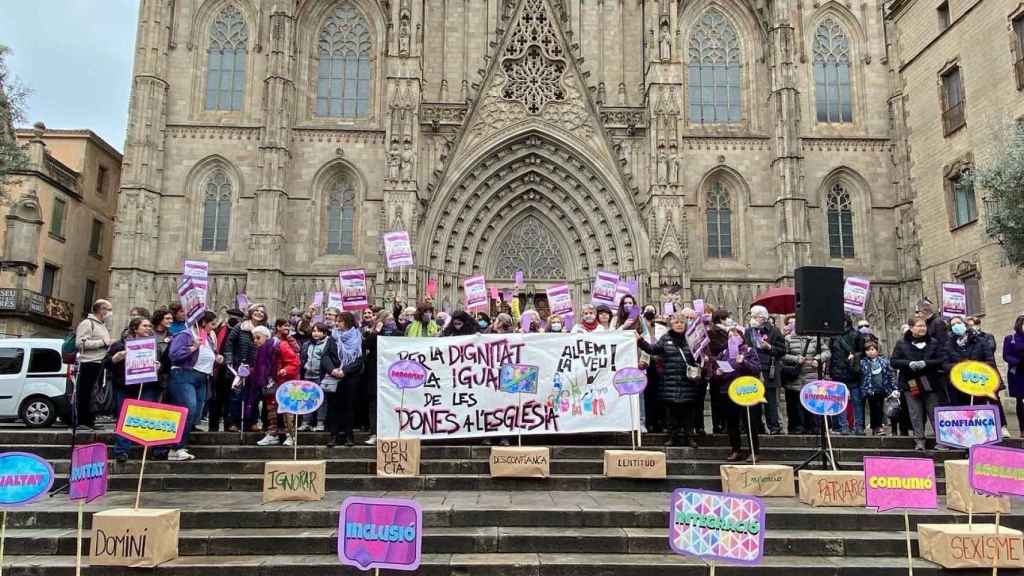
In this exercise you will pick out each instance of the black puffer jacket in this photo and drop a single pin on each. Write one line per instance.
(931, 354)
(973, 348)
(675, 386)
(239, 348)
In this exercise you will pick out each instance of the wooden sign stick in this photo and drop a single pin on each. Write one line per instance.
(519, 432)
(632, 424)
(910, 557)
(750, 434)
(3, 539)
(78, 541)
(995, 568)
(295, 455)
(712, 573)
(828, 442)
(142, 469)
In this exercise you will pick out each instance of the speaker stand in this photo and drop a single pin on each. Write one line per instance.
(821, 452)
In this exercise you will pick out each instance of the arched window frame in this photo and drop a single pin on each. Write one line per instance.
(859, 56)
(832, 71)
(338, 192)
(551, 249)
(217, 201)
(839, 220)
(867, 244)
(201, 175)
(728, 82)
(718, 221)
(332, 67)
(199, 44)
(227, 52)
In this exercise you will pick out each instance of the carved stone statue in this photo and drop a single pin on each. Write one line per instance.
(403, 37)
(662, 166)
(674, 172)
(408, 157)
(394, 163)
(665, 43)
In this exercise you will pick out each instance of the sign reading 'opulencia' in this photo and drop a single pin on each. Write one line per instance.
(453, 386)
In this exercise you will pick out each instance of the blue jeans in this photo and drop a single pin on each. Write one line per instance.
(150, 393)
(187, 388)
(857, 406)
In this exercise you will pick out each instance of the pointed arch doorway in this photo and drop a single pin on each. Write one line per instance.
(529, 242)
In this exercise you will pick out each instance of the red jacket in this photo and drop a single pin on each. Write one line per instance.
(287, 360)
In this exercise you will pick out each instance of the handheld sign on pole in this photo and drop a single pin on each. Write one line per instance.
(298, 397)
(631, 382)
(375, 533)
(967, 426)
(23, 478)
(516, 379)
(748, 391)
(717, 526)
(891, 483)
(150, 424)
(354, 295)
(825, 398)
(603, 291)
(140, 364)
(855, 295)
(975, 378)
(89, 475)
(954, 300)
(997, 471)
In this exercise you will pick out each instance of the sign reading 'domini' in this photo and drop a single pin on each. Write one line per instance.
(380, 533)
(151, 424)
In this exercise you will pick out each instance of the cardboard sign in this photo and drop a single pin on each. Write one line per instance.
(294, 480)
(405, 374)
(966, 426)
(954, 300)
(432, 287)
(960, 496)
(841, 488)
(397, 457)
(192, 298)
(899, 483)
(89, 472)
(717, 526)
(747, 391)
(648, 465)
(140, 361)
(520, 462)
(243, 301)
(629, 381)
(354, 295)
(825, 397)
(476, 292)
(518, 378)
(151, 424)
(758, 480)
(971, 546)
(560, 299)
(196, 269)
(141, 538)
(855, 295)
(603, 291)
(397, 250)
(299, 397)
(697, 339)
(997, 470)
(975, 378)
(24, 477)
(380, 533)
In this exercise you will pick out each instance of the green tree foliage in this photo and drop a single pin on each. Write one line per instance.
(12, 110)
(1002, 181)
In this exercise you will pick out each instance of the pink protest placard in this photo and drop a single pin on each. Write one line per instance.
(140, 361)
(353, 290)
(431, 287)
(603, 291)
(519, 279)
(621, 291)
(192, 298)
(397, 250)
(334, 300)
(318, 299)
(997, 470)
(954, 300)
(243, 301)
(196, 269)
(560, 299)
(494, 293)
(899, 483)
(380, 533)
(855, 295)
(89, 472)
(476, 292)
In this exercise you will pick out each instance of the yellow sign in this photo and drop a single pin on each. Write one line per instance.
(151, 424)
(747, 391)
(975, 378)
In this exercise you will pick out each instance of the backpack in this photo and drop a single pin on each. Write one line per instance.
(69, 349)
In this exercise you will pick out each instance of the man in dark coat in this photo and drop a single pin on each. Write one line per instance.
(844, 366)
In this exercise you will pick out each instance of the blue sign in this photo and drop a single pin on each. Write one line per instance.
(23, 478)
(299, 397)
(518, 378)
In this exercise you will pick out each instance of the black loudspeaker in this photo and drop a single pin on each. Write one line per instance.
(819, 301)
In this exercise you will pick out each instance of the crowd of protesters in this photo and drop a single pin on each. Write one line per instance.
(226, 370)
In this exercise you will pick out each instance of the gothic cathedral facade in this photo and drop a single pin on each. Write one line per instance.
(703, 148)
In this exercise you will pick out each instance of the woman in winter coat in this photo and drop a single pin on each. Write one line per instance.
(341, 366)
(239, 349)
(800, 365)
(114, 363)
(680, 381)
(919, 359)
(423, 323)
(461, 324)
(1013, 355)
(965, 344)
(745, 363)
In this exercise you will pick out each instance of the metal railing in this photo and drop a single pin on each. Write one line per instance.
(33, 304)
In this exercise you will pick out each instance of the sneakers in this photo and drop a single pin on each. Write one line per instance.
(289, 441)
(179, 455)
(269, 440)
(372, 440)
(919, 445)
(305, 428)
(1006, 432)
(320, 428)
(735, 456)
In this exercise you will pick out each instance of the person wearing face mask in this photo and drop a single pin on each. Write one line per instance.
(92, 338)
(483, 321)
(628, 316)
(239, 349)
(404, 319)
(461, 324)
(966, 344)
(729, 357)
(770, 345)
(423, 324)
(919, 358)
(589, 322)
(844, 366)
(309, 367)
(864, 329)
(681, 381)
(555, 324)
(800, 366)
(974, 325)
(503, 324)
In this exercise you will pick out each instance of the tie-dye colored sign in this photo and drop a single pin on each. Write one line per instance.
(966, 426)
(299, 397)
(717, 526)
(518, 378)
(825, 397)
(380, 533)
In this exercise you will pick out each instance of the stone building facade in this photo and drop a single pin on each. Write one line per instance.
(704, 148)
(961, 89)
(58, 231)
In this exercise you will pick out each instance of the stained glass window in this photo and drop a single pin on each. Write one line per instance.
(530, 247)
(216, 212)
(719, 222)
(340, 198)
(343, 69)
(225, 66)
(840, 222)
(832, 73)
(715, 71)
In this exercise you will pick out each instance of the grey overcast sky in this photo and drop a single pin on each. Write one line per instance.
(76, 57)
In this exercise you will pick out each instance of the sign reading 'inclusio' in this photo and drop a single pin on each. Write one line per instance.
(380, 533)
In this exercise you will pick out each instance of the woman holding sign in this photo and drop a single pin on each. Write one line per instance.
(680, 381)
(114, 363)
(919, 359)
(193, 355)
(730, 358)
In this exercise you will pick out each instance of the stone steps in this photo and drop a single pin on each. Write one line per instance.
(522, 564)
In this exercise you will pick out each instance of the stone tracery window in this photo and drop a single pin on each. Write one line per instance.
(832, 92)
(343, 69)
(530, 247)
(715, 69)
(840, 222)
(719, 216)
(533, 60)
(225, 65)
(216, 212)
(340, 213)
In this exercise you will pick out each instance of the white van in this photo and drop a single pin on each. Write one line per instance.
(33, 381)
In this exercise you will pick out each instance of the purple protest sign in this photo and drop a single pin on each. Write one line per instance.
(397, 250)
(140, 361)
(899, 483)
(407, 374)
(629, 381)
(717, 525)
(192, 298)
(318, 299)
(476, 292)
(519, 279)
(604, 288)
(997, 470)
(698, 307)
(353, 290)
(380, 533)
(560, 299)
(243, 301)
(633, 286)
(621, 291)
(734, 346)
(668, 309)
(855, 295)
(89, 472)
(954, 300)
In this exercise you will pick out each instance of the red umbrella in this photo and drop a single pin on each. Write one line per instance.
(777, 300)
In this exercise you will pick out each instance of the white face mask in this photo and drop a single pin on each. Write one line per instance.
(556, 327)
